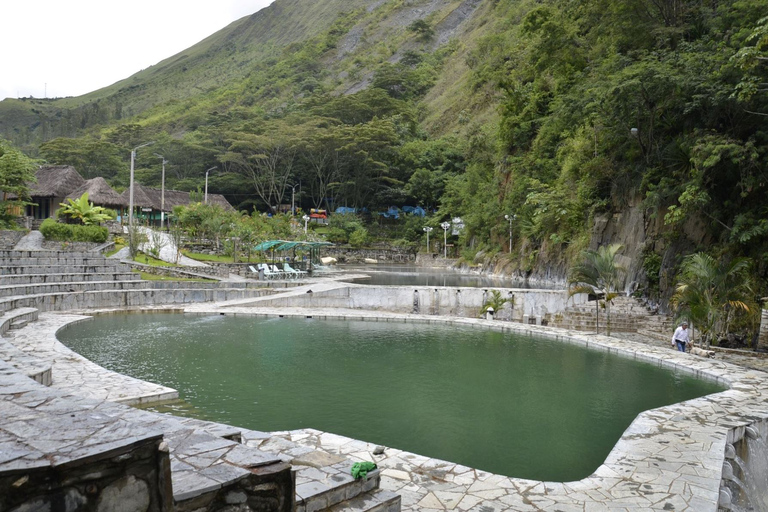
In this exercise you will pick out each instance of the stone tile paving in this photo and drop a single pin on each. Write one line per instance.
(670, 458)
(75, 374)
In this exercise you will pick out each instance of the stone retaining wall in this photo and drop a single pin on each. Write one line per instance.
(189, 272)
(9, 238)
(55, 245)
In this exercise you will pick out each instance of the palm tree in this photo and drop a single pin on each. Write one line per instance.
(598, 274)
(713, 294)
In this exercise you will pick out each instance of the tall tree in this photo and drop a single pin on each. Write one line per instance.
(17, 172)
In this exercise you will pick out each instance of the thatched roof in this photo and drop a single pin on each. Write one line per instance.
(56, 181)
(148, 197)
(141, 197)
(99, 193)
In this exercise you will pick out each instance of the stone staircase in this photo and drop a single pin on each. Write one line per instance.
(211, 466)
(628, 314)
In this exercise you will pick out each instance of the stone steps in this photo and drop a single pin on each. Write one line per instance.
(375, 501)
(101, 268)
(60, 260)
(7, 290)
(28, 364)
(12, 317)
(323, 480)
(67, 278)
(158, 293)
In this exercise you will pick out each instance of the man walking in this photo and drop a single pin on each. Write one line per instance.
(680, 338)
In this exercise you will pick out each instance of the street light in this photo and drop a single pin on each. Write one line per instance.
(293, 195)
(162, 191)
(305, 218)
(510, 218)
(206, 184)
(445, 226)
(130, 186)
(428, 230)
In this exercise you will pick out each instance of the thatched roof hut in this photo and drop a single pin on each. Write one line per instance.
(56, 181)
(142, 197)
(99, 193)
(148, 197)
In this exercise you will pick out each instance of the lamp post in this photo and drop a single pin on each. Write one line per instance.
(445, 226)
(130, 186)
(428, 230)
(305, 218)
(293, 196)
(206, 184)
(162, 192)
(510, 218)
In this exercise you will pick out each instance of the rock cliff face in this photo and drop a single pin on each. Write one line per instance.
(643, 234)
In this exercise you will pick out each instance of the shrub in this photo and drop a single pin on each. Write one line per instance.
(359, 237)
(53, 230)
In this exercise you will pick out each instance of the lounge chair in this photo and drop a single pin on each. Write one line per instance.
(292, 271)
(263, 267)
(276, 271)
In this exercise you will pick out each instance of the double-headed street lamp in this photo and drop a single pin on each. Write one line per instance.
(130, 186)
(162, 191)
(445, 225)
(427, 230)
(305, 218)
(206, 184)
(510, 218)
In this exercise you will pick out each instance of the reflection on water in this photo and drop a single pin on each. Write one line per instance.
(408, 275)
(520, 406)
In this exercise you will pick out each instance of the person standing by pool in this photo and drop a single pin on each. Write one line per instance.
(680, 338)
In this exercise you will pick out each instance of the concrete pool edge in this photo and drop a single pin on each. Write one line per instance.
(670, 456)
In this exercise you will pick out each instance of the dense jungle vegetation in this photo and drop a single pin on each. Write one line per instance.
(557, 112)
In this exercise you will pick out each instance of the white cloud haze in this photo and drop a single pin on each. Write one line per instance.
(78, 46)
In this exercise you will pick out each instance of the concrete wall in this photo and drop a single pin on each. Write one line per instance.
(462, 302)
(9, 239)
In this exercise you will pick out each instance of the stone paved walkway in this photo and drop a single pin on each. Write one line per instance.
(76, 375)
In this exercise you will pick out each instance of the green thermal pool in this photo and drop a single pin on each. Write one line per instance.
(518, 406)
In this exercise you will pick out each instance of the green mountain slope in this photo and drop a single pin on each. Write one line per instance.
(636, 121)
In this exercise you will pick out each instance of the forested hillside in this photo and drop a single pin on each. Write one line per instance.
(582, 119)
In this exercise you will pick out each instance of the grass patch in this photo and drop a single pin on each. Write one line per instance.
(115, 250)
(149, 260)
(219, 258)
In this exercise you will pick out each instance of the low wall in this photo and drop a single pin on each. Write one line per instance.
(184, 272)
(55, 245)
(9, 238)
(460, 302)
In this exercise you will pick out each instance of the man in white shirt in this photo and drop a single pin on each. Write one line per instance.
(680, 338)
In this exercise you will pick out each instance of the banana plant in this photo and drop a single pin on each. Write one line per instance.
(83, 211)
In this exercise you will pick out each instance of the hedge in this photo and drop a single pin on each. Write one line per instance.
(53, 230)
